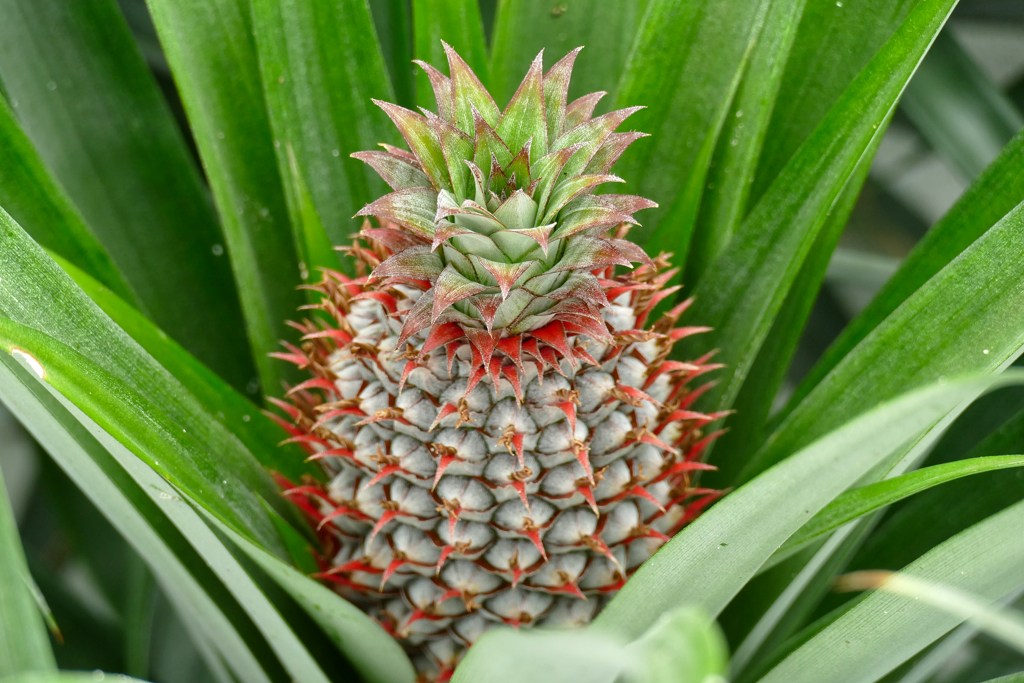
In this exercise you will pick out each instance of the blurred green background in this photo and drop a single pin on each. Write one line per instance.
(962, 106)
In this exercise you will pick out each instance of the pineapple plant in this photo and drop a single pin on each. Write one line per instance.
(528, 426)
(504, 436)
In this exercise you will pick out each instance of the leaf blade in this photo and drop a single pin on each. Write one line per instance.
(134, 515)
(109, 358)
(990, 335)
(99, 122)
(696, 564)
(684, 66)
(746, 286)
(963, 114)
(371, 650)
(24, 643)
(320, 67)
(456, 22)
(32, 195)
(522, 28)
(994, 194)
(862, 500)
(257, 431)
(212, 55)
(734, 163)
(987, 560)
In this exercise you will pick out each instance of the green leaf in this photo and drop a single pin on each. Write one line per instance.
(106, 555)
(685, 65)
(198, 594)
(260, 434)
(42, 605)
(963, 115)
(134, 420)
(374, 653)
(283, 642)
(964, 319)
(934, 516)
(504, 655)
(135, 398)
(139, 613)
(89, 635)
(834, 42)
(311, 241)
(320, 67)
(793, 601)
(994, 194)
(456, 22)
(683, 646)
(674, 236)
(394, 30)
(916, 526)
(1012, 678)
(777, 603)
(70, 677)
(882, 631)
(24, 643)
(212, 54)
(744, 288)
(35, 199)
(985, 422)
(86, 99)
(769, 368)
(731, 170)
(1006, 625)
(522, 28)
(862, 500)
(712, 558)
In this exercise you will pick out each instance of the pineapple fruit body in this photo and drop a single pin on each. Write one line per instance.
(503, 435)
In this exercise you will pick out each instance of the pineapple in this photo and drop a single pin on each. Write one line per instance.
(504, 437)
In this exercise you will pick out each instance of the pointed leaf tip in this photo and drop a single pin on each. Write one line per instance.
(452, 287)
(467, 91)
(505, 274)
(422, 140)
(556, 89)
(442, 86)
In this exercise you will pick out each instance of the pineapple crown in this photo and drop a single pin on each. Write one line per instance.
(493, 213)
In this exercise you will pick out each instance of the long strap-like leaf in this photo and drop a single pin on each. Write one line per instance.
(862, 500)
(884, 630)
(832, 46)
(87, 100)
(320, 66)
(684, 66)
(24, 644)
(212, 54)
(34, 198)
(734, 163)
(125, 389)
(998, 190)
(745, 287)
(713, 558)
(959, 110)
(185, 578)
(456, 22)
(768, 370)
(373, 652)
(967, 318)
(255, 429)
(605, 28)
